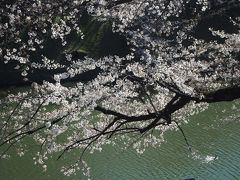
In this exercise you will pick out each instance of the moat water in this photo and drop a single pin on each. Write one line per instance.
(213, 134)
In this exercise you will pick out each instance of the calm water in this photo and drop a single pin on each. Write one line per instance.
(213, 134)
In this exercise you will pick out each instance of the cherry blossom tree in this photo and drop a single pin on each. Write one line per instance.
(181, 58)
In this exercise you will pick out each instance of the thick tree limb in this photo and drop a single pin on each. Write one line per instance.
(125, 117)
(227, 94)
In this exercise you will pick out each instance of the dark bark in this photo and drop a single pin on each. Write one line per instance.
(227, 94)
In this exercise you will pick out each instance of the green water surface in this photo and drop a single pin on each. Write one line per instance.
(214, 136)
